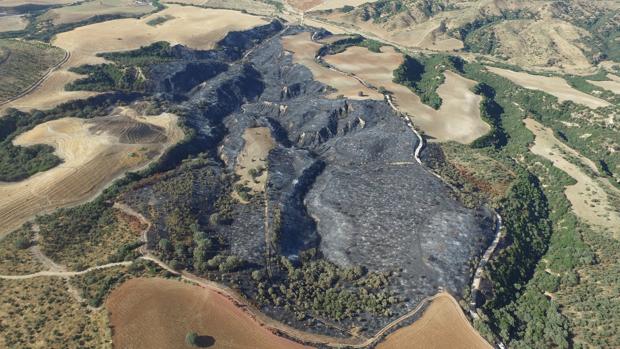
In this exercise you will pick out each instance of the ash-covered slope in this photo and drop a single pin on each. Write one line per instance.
(342, 187)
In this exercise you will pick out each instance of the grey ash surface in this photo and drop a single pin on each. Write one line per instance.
(342, 176)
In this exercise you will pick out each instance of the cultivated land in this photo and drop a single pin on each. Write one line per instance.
(554, 86)
(93, 157)
(589, 196)
(458, 118)
(194, 27)
(88, 9)
(613, 84)
(334, 4)
(443, 325)
(304, 52)
(158, 313)
(11, 23)
(22, 63)
(12, 3)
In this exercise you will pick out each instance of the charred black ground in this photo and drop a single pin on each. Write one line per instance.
(350, 232)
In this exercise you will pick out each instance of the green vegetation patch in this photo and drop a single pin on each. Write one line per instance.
(424, 74)
(159, 20)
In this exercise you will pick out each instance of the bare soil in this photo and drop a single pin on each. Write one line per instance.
(158, 313)
(443, 325)
(86, 10)
(11, 23)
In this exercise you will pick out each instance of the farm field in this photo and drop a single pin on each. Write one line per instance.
(304, 50)
(88, 9)
(11, 23)
(12, 3)
(554, 86)
(158, 313)
(613, 84)
(458, 119)
(334, 4)
(22, 63)
(589, 196)
(442, 326)
(194, 27)
(93, 157)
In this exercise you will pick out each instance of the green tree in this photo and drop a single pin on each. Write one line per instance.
(191, 338)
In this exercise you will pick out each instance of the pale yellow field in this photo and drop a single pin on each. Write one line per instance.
(458, 119)
(442, 326)
(304, 51)
(334, 4)
(258, 144)
(613, 84)
(92, 159)
(554, 86)
(589, 196)
(11, 23)
(12, 3)
(191, 26)
(83, 11)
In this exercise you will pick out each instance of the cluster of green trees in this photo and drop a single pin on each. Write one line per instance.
(317, 287)
(424, 74)
(355, 40)
(17, 162)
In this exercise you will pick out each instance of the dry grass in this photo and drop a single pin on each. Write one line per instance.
(458, 119)
(194, 27)
(41, 313)
(613, 84)
(91, 162)
(251, 6)
(303, 5)
(589, 196)
(253, 158)
(304, 51)
(11, 23)
(22, 63)
(16, 261)
(334, 4)
(554, 86)
(88, 9)
(443, 325)
(158, 313)
(13, 3)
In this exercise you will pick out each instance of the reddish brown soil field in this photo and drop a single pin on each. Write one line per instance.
(158, 313)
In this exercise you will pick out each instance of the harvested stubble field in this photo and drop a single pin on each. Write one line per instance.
(193, 27)
(92, 159)
(22, 63)
(304, 51)
(12, 3)
(158, 313)
(458, 119)
(442, 326)
(11, 23)
(554, 86)
(334, 4)
(589, 196)
(88, 9)
(613, 84)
